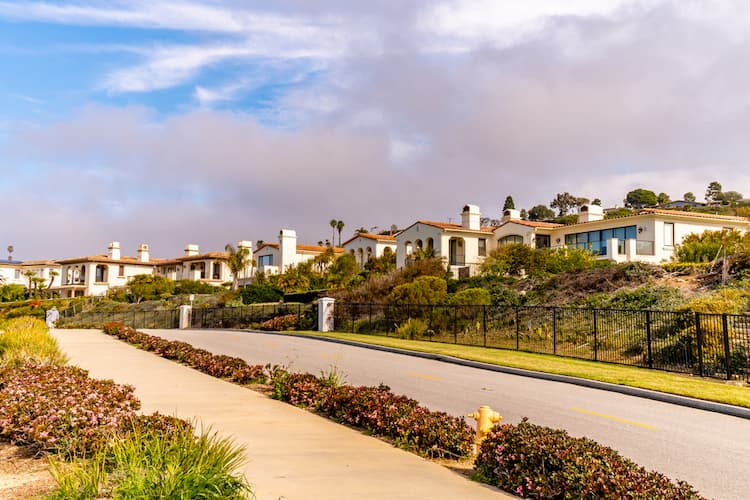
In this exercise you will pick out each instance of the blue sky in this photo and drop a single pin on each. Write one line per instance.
(177, 121)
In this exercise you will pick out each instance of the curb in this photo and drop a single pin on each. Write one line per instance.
(699, 404)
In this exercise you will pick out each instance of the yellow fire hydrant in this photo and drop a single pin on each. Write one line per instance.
(486, 418)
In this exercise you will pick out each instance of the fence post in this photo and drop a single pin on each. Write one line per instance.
(699, 340)
(648, 339)
(326, 314)
(354, 306)
(596, 347)
(727, 354)
(554, 330)
(484, 325)
(517, 328)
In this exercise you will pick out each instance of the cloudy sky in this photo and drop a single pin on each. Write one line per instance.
(170, 122)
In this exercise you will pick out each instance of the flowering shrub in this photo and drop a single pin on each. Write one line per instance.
(538, 462)
(221, 366)
(379, 411)
(285, 322)
(59, 408)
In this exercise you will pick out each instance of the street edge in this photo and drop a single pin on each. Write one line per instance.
(700, 404)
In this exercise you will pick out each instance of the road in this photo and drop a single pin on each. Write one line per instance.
(709, 450)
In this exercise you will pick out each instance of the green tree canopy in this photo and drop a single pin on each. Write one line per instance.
(689, 196)
(541, 212)
(662, 198)
(639, 198)
(509, 204)
(713, 192)
(563, 202)
(148, 287)
(423, 290)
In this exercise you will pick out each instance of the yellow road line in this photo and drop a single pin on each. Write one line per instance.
(335, 357)
(428, 377)
(616, 419)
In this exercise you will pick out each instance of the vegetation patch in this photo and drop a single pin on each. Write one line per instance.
(538, 462)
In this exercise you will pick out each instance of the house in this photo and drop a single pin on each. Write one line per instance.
(462, 247)
(681, 204)
(96, 274)
(48, 271)
(366, 246)
(276, 258)
(211, 267)
(649, 235)
(11, 273)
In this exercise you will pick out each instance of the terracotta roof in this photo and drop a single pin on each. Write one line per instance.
(40, 263)
(105, 259)
(454, 227)
(304, 248)
(370, 236)
(531, 223)
(202, 256)
(264, 245)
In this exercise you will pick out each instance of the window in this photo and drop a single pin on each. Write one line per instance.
(542, 241)
(265, 260)
(217, 271)
(668, 234)
(482, 251)
(510, 239)
(596, 241)
(101, 274)
(18, 274)
(121, 271)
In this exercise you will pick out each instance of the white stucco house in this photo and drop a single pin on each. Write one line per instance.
(650, 235)
(210, 267)
(96, 274)
(11, 274)
(462, 247)
(276, 258)
(366, 246)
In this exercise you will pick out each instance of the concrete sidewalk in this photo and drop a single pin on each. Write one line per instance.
(291, 453)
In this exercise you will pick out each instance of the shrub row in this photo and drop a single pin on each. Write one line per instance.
(374, 409)
(538, 462)
(221, 366)
(59, 408)
(378, 411)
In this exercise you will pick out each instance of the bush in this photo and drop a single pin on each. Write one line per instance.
(423, 290)
(148, 287)
(538, 462)
(412, 329)
(278, 323)
(187, 287)
(471, 297)
(12, 293)
(707, 246)
(28, 340)
(258, 293)
(378, 411)
(59, 408)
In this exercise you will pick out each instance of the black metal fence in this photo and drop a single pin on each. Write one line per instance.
(710, 345)
(282, 316)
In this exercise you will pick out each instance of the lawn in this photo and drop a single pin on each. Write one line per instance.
(671, 383)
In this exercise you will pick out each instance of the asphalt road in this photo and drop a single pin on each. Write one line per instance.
(709, 450)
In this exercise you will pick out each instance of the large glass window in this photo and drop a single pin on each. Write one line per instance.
(511, 238)
(668, 234)
(482, 251)
(596, 241)
(265, 260)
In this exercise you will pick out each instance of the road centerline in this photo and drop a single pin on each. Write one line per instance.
(616, 419)
(428, 377)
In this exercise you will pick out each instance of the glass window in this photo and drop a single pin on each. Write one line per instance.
(668, 234)
(608, 234)
(631, 233)
(121, 271)
(482, 251)
(619, 233)
(511, 238)
(570, 239)
(265, 260)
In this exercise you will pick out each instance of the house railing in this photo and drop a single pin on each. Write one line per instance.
(709, 345)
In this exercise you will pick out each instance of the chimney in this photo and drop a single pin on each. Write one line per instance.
(114, 250)
(287, 248)
(191, 249)
(511, 214)
(470, 217)
(143, 252)
(590, 213)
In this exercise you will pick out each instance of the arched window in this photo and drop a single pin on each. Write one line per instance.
(510, 239)
(387, 250)
(418, 244)
(430, 244)
(101, 274)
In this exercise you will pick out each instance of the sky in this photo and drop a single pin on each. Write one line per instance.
(170, 122)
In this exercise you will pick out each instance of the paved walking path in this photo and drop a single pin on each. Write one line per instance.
(291, 453)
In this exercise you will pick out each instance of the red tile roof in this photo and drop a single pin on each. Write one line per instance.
(454, 227)
(370, 236)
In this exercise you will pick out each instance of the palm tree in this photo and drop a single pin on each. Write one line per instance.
(10, 252)
(237, 261)
(333, 224)
(339, 228)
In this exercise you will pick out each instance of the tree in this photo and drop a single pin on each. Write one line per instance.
(713, 193)
(597, 202)
(52, 275)
(541, 212)
(689, 196)
(524, 214)
(423, 290)
(333, 223)
(342, 270)
(509, 203)
(339, 228)
(10, 252)
(662, 198)
(582, 201)
(259, 244)
(563, 202)
(731, 197)
(639, 198)
(148, 287)
(238, 260)
(361, 230)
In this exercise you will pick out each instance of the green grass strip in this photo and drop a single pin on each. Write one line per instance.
(655, 380)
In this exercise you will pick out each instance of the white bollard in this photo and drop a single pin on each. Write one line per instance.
(185, 313)
(325, 314)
